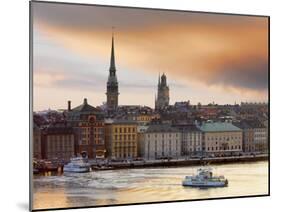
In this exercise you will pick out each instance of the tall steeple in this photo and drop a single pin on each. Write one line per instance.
(112, 68)
(112, 83)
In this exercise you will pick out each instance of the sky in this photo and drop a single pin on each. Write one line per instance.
(206, 57)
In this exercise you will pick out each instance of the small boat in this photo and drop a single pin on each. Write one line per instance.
(101, 168)
(205, 178)
(78, 165)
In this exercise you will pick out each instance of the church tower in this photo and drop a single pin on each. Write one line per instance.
(162, 98)
(112, 83)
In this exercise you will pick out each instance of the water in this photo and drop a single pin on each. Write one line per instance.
(144, 185)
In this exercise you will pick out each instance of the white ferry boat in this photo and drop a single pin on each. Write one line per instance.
(78, 165)
(205, 178)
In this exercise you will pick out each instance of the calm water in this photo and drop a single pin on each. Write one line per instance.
(144, 185)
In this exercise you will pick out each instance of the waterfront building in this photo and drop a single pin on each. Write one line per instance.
(191, 139)
(162, 141)
(36, 141)
(255, 137)
(221, 138)
(88, 123)
(112, 83)
(141, 129)
(162, 98)
(58, 142)
(121, 139)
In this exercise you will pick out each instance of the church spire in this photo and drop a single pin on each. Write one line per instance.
(112, 68)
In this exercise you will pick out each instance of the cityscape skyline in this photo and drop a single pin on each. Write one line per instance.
(71, 63)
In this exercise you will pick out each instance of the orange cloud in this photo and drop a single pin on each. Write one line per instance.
(215, 50)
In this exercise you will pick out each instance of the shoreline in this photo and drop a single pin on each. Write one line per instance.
(184, 163)
(169, 164)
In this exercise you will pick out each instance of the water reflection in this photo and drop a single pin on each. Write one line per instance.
(143, 185)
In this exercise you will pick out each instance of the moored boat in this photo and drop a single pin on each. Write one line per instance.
(78, 165)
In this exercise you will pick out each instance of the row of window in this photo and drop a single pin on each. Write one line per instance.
(162, 135)
(125, 149)
(125, 137)
(86, 142)
(224, 138)
(60, 137)
(162, 141)
(96, 136)
(124, 154)
(64, 143)
(125, 129)
(192, 143)
(125, 143)
(224, 148)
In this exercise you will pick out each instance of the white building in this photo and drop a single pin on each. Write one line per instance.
(162, 141)
(191, 139)
(260, 139)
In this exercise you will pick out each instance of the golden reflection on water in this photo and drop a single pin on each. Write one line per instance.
(144, 185)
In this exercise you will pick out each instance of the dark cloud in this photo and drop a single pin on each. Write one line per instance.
(100, 17)
(252, 76)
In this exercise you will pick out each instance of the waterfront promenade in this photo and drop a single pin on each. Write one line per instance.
(179, 161)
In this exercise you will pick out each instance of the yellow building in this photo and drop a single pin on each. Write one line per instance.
(121, 139)
(221, 138)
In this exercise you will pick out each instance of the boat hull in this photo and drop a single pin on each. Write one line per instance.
(204, 184)
(77, 170)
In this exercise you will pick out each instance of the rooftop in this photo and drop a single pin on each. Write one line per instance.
(219, 127)
(85, 107)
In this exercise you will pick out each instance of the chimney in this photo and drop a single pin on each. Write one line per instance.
(69, 105)
(85, 101)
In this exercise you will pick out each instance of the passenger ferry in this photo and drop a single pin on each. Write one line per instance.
(205, 178)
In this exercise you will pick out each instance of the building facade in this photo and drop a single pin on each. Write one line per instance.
(112, 83)
(191, 139)
(121, 140)
(141, 129)
(162, 98)
(260, 138)
(36, 142)
(88, 124)
(162, 141)
(221, 138)
(58, 142)
(255, 138)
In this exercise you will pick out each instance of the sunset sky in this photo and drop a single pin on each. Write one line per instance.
(206, 57)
